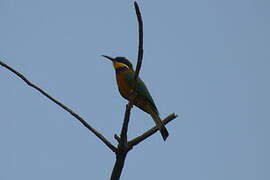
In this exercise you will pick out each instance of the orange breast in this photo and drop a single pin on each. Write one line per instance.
(125, 89)
(123, 86)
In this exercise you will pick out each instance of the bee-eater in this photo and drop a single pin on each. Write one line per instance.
(125, 81)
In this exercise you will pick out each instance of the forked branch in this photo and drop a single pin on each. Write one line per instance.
(124, 146)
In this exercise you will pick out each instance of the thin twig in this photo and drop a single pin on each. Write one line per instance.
(90, 128)
(123, 136)
(150, 132)
(140, 48)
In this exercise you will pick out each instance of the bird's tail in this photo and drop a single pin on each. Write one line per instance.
(160, 125)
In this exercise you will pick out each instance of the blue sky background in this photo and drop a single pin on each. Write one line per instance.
(206, 60)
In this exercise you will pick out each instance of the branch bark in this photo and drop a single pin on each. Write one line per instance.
(150, 132)
(140, 48)
(85, 124)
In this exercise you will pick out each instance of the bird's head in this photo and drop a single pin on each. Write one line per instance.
(120, 62)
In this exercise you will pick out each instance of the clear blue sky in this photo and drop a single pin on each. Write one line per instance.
(206, 60)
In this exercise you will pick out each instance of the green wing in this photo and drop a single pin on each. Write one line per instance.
(141, 88)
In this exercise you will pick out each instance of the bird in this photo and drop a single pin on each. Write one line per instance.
(142, 99)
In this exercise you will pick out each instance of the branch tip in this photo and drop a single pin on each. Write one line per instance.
(118, 139)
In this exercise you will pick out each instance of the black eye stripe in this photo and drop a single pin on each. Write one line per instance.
(122, 68)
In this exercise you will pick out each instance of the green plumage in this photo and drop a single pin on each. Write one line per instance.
(141, 89)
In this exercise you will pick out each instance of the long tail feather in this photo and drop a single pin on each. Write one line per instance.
(160, 126)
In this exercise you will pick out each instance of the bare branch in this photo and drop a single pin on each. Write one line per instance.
(117, 138)
(140, 48)
(150, 132)
(90, 128)
(119, 164)
(123, 136)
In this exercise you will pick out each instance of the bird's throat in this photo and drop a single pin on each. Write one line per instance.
(117, 65)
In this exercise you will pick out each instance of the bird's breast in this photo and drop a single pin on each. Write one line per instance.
(125, 89)
(123, 86)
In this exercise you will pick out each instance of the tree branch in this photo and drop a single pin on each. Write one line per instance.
(140, 48)
(123, 136)
(150, 132)
(90, 128)
(124, 146)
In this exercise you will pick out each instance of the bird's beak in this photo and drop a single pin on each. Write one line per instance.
(108, 57)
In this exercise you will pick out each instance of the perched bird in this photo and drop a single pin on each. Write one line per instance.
(125, 81)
